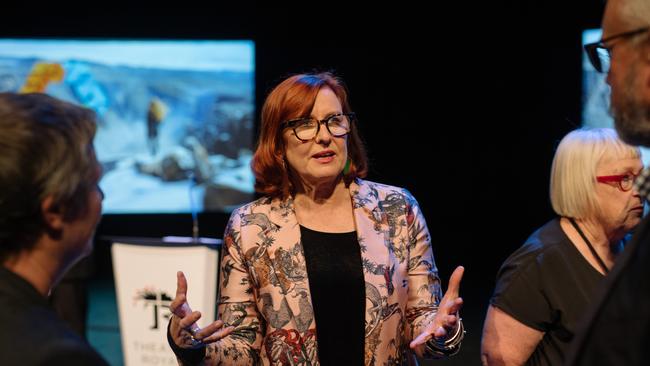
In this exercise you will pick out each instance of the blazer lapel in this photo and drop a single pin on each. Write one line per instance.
(372, 236)
(289, 267)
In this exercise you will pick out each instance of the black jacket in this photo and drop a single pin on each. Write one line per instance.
(617, 329)
(32, 334)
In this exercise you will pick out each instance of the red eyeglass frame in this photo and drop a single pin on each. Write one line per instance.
(617, 179)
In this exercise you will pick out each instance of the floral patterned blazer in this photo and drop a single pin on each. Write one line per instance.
(264, 289)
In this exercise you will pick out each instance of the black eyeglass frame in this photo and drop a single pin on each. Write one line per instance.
(592, 48)
(295, 123)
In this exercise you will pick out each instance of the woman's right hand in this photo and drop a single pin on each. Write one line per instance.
(184, 330)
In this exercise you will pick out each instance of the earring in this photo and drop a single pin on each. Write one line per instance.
(346, 170)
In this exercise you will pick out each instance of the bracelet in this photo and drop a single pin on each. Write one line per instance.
(189, 356)
(448, 346)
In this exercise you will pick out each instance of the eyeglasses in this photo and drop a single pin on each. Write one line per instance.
(625, 182)
(600, 53)
(305, 129)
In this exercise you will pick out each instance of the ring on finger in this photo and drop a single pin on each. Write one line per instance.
(196, 342)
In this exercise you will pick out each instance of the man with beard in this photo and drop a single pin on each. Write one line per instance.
(618, 328)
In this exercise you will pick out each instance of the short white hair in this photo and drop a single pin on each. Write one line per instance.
(573, 173)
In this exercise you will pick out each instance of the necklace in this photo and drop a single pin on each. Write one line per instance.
(591, 248)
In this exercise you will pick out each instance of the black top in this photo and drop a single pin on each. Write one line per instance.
(32, 334)
(547, 285)
(616, 330)
(337, 291)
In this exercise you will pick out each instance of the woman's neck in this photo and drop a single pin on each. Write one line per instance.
(325, 208)
(328, 194)
(322, 192)
(606, 245)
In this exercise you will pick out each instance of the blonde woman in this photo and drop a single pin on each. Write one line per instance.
(546, 285)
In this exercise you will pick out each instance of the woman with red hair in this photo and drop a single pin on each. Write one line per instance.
(326, 268)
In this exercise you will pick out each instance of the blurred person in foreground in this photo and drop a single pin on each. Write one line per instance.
(615, 331)
(50, 204)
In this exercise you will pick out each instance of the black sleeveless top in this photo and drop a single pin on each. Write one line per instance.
(337, 289)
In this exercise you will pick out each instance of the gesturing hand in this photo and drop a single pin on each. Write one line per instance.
(184, 330)
(446, 319)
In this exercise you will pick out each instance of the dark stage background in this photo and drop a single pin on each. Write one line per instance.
(462, 105)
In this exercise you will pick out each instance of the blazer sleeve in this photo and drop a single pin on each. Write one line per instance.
(237, 305)
(424, 291)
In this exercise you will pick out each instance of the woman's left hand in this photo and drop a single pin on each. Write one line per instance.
(446, 319)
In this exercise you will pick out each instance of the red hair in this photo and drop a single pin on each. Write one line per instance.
(295, 97)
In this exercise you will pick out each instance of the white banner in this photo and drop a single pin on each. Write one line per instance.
(145, 285)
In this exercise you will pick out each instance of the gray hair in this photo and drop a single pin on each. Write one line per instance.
(573, 173)
(45, 150)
